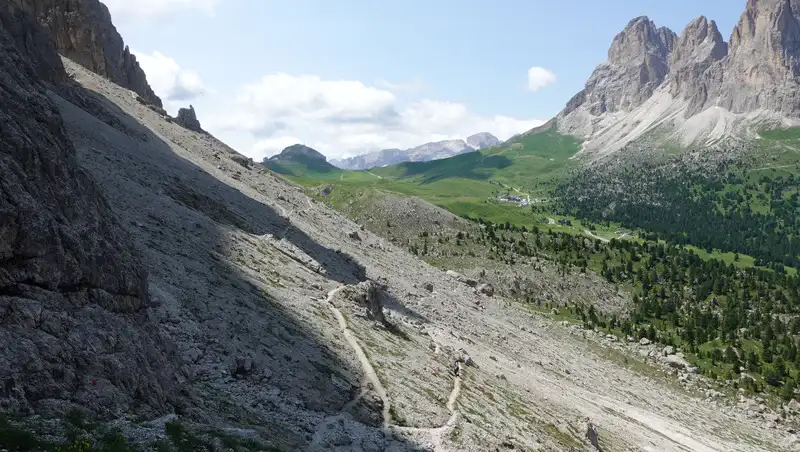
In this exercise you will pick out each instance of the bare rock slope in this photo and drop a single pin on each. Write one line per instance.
(694, 88)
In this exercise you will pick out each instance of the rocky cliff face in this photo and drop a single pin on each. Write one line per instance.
(694, 62)
(73, 294)
(638, 62)
(31, 42)
(654, 78)
(84, 33)
(763, 68)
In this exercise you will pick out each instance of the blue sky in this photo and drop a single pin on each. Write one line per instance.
(352, 76)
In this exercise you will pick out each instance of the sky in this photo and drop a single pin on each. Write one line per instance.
(353, 76)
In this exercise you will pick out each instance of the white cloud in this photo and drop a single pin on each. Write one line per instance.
(169, 80)
(342, 117)
(148, 10)
(539, 77)
(414, 86)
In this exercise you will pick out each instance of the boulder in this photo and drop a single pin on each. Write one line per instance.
(644, 341)
(245, 162)
(668, 350)
(486, 289)
(244, 366)
(677, 362)
(463, 357)
(368, 295)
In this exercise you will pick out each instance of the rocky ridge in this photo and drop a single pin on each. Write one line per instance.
(83, 32)
(692, 88)
(423, 153)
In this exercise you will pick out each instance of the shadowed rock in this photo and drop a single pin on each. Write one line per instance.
(73, 293)
(187, 118)
(83, 32)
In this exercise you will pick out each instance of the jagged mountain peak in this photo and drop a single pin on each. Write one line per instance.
(695, 87)
(641, 36)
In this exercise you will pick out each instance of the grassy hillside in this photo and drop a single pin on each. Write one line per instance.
(523, 163)
(527, 166)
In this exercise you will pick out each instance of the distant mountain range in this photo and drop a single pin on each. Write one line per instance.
(426, 152)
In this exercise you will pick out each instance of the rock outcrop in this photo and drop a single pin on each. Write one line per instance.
(73, 294)
(84, 33)
(188, 118)
(368, 295)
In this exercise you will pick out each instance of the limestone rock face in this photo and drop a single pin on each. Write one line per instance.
(72, 292)
(638, 62)
(84, 33)
(482, 140)
(763, 69)
(188, 119)
(695, 63)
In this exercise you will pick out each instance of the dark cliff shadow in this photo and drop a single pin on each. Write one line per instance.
(270, 352)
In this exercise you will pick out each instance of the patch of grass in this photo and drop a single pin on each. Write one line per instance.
(16, 438)
(561, 437)
(236, 443)
(184, 440)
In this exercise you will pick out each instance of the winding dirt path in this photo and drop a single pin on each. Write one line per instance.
(288, 215)
(366, 365)
(437, 433)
